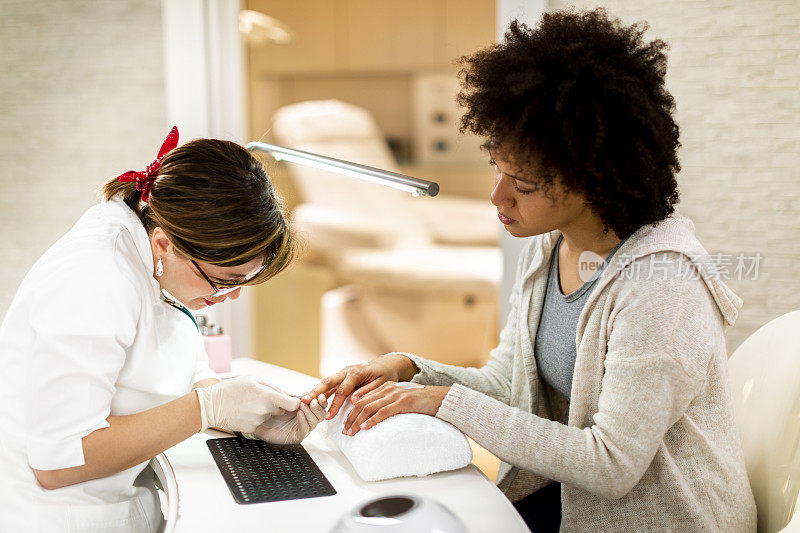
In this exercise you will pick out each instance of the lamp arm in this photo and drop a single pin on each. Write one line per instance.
(409, 184)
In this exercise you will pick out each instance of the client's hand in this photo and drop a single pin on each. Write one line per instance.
(293, 427)
(389, 400)
(365, 378)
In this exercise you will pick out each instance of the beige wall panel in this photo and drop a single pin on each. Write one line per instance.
(396, 34)
(319, 31)
(266, 96)
(468, 26)
(386, 97)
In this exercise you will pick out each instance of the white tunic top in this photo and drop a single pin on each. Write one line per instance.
(87, 336)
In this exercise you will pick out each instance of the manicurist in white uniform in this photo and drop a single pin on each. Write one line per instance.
(103, 364)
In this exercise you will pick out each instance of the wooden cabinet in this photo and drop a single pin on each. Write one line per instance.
(391, 35)
(469, 25)
(372, 36)
(286, 317)
(319, 32)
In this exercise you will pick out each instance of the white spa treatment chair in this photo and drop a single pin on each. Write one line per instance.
(765, 383)
(415, 274)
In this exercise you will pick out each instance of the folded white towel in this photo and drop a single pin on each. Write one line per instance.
(403, 445)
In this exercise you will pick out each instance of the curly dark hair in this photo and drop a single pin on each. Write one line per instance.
(583, 96)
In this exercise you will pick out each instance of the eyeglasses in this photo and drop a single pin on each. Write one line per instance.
(219, 291)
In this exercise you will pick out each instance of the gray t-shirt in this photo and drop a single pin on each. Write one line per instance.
(554, 346)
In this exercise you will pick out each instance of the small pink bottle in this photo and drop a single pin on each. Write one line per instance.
(218, 348)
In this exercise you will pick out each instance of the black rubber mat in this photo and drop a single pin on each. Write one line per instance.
(256, 471)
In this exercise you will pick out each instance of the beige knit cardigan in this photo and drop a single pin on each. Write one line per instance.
(651, 443)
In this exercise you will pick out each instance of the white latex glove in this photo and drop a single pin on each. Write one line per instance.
(242, 404)
(292, 428)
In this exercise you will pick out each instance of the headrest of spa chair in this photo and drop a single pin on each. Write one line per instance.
(344, 131)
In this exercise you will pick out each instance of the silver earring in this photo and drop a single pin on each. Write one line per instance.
(159, 267)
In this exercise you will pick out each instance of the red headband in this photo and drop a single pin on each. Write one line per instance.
(145, 179)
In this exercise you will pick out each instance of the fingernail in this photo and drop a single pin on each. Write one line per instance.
(364, 425)
(353, 399)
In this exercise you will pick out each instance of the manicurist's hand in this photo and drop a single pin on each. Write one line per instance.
(293, 427)
(362, 379)
(389, 400)
(242, 404)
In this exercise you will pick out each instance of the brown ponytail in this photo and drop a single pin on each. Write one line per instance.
(217, 204)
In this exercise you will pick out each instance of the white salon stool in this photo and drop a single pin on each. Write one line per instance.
(765, 383)
(167, 491)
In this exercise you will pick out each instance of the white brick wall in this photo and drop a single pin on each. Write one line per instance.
(81, 100)
(734, 69)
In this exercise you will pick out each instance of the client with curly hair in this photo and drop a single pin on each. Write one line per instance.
(607, 398)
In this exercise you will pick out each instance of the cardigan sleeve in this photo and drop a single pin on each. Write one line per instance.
(660, 343)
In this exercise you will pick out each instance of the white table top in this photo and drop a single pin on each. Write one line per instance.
(206, 504)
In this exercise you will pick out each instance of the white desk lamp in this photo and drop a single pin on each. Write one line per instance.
(414, 186)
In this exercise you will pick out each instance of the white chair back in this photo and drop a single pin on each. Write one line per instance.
(337, 129)
(765, 383)
(168, 488)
